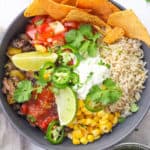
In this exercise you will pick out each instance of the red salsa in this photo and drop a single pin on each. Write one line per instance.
(42, 108)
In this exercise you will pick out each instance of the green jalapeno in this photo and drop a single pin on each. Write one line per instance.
(55, 133)
(45, 71)
(61, 77)
(74, 78)
(69, 59)
(93, 106)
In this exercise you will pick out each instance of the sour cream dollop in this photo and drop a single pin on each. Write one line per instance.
(90, 74)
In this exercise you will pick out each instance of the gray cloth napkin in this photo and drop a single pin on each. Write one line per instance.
(10, 139)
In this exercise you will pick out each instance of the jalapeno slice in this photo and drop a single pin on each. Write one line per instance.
(61, 77)
(55, 133)
(93, 106)
(46, 70)
(68, 59)
(74, 78)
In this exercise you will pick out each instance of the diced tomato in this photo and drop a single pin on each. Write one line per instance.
(42, 107)
(49, 20)
(31, 31)
(37, 18)
(71, 25)
(58, 37)
(42, 28)
(45, 34)
(24, 109)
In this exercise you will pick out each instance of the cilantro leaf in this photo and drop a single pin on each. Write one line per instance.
(148, 0)
(109, 83)
(23, 91)
(86, 30)
(108, 95)
(92, 49)
(83, 49)
(101, 63)
(78, 40)
(71, 36)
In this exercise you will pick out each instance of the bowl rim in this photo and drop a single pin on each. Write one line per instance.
(15, 126)
(131, 144)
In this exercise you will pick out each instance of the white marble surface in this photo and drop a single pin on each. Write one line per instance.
(8, 11)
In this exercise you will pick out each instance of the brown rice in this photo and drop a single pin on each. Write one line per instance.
(128, 70)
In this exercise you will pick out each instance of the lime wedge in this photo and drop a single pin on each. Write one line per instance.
(32, 61)
(66, 105)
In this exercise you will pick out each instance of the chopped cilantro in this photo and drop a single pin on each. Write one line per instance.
(39, 22)
(121, 119)
(83, 39)
(31, 118)
(92, 49)
(108, 95)
(23, 91)
(134, 107)
(78, 40)
(74, 38)
(86, 30)
(71, 36)
(148, 0)
(101, 63)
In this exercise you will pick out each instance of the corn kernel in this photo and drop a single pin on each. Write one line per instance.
(79, 113)
(13, 51)
(96, 119)
(40, 48)
(77, 134)
(81, 103)
(88, 121)
(97, 137)
(106, 127)
(90, 138)
(17, 73)
(103, 121)
(84, 140)
(105, 116)
(111, 117)
(76, 141)
(117, 114)
(115, 120)
(96, 132)
(101, 113)
(76, 127)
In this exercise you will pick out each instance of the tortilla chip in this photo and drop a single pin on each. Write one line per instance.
(113, 35)
(56, 10)
(113, 7)
(34, 9)
(131, 24)
(69, 2)
(82, 16)
(102, 8)
(58, 1)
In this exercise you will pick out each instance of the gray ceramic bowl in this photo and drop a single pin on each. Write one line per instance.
(36, 136)
(131, 146)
